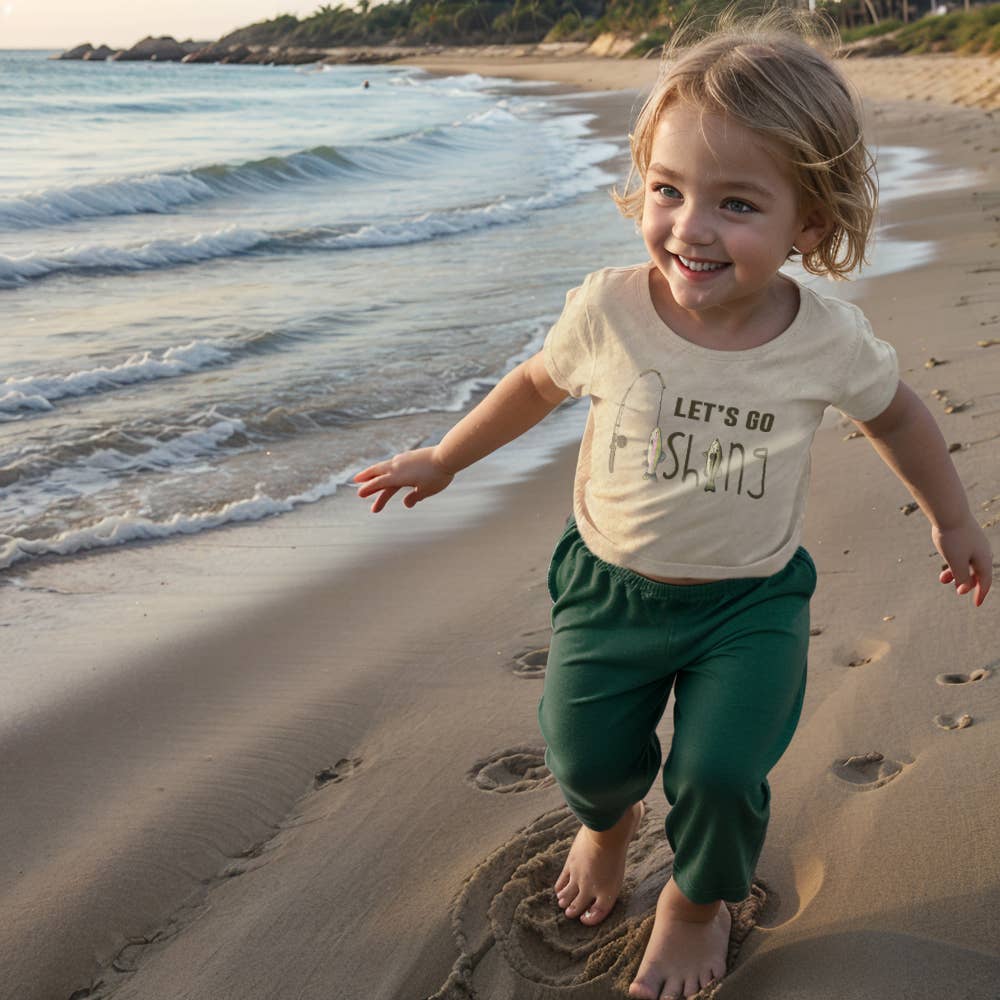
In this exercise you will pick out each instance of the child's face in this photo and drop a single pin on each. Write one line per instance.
(720, 215)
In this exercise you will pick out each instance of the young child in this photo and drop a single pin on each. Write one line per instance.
(708, 372)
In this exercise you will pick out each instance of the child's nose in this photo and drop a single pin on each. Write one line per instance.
(692, 226)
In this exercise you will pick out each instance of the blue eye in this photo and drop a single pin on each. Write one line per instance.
(667, 190)
(738, 206)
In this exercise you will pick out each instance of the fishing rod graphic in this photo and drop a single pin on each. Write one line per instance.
(654, 447)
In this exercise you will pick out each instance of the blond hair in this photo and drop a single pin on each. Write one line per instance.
(767, 73)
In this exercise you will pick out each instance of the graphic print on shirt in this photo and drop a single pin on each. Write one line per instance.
(730, 466)
(713, 459)
(654, 448)
(654, 453)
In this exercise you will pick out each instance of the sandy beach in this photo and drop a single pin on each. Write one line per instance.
(300, 758)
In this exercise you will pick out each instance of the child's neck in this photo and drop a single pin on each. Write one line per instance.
(736, 326)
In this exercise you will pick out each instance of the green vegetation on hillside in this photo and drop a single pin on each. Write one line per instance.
(650, 22)
(976, 31)
(871, 30)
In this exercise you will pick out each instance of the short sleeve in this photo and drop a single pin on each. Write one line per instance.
(871, 378)
(568, 349)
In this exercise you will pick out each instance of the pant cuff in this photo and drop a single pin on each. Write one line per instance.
(702, 895)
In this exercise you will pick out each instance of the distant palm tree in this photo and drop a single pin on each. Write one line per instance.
(468, 13)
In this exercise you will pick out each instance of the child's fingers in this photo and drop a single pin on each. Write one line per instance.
(979, 577)
(385, 481)
(383, 498)
(379, 483)
(983, 575)
(370, 473)
(963, 581)
(419, 493)
(962, 586)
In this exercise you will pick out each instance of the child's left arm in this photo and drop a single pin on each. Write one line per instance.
(907, 438)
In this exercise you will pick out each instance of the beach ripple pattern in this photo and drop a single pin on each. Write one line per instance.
(516, 944)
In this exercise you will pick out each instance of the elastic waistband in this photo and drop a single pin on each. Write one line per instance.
(678, 593)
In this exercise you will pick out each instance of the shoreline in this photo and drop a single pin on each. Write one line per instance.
(943, 79)
(405, 662)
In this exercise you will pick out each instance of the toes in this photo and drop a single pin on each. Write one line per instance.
(593, 915)
(567, 894)
(649, 986)
(582, 902)
(597, 911)
(645, 986)
(710, 976)
(715, 971)
(562, 881)
(672, 990)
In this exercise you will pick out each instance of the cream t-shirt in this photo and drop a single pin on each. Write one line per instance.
(695, 462)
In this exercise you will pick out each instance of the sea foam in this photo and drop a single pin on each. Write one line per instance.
(119, 529)
(39, 392)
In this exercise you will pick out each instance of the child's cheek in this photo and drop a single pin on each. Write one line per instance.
(652, 225)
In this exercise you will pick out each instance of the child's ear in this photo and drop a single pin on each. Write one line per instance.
(815, 227)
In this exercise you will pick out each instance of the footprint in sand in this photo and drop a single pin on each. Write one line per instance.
(250, 859)
(514, 941)
(969, 678)
(344, 768)
(951, 722)
(866, 771)
(531, 665)
(518, 769)
(861, 652)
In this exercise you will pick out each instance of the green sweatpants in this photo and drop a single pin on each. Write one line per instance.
(734, 654)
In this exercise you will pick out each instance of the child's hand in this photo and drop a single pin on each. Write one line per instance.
(969, 558)
(419, 469)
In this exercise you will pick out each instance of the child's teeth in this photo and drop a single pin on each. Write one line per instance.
(695, 265)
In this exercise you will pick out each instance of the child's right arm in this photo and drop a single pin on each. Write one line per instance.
(516, 403)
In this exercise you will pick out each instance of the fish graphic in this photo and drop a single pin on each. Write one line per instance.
(654, 453)
(619, 440)
(713, 459)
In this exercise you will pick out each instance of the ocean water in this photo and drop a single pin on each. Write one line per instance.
(225, 289)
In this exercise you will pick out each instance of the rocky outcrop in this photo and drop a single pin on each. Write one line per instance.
(167, 49)
(216, 53)
(80, 52)
(278, 56)
(610, 44)
(375, 54)
(164, 49)
(98, 54)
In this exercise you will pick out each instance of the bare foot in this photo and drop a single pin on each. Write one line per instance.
(687, 949)
(592, 876)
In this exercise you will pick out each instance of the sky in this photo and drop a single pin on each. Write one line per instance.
(61, 24)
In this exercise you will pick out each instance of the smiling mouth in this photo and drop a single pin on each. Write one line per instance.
(693, 264)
